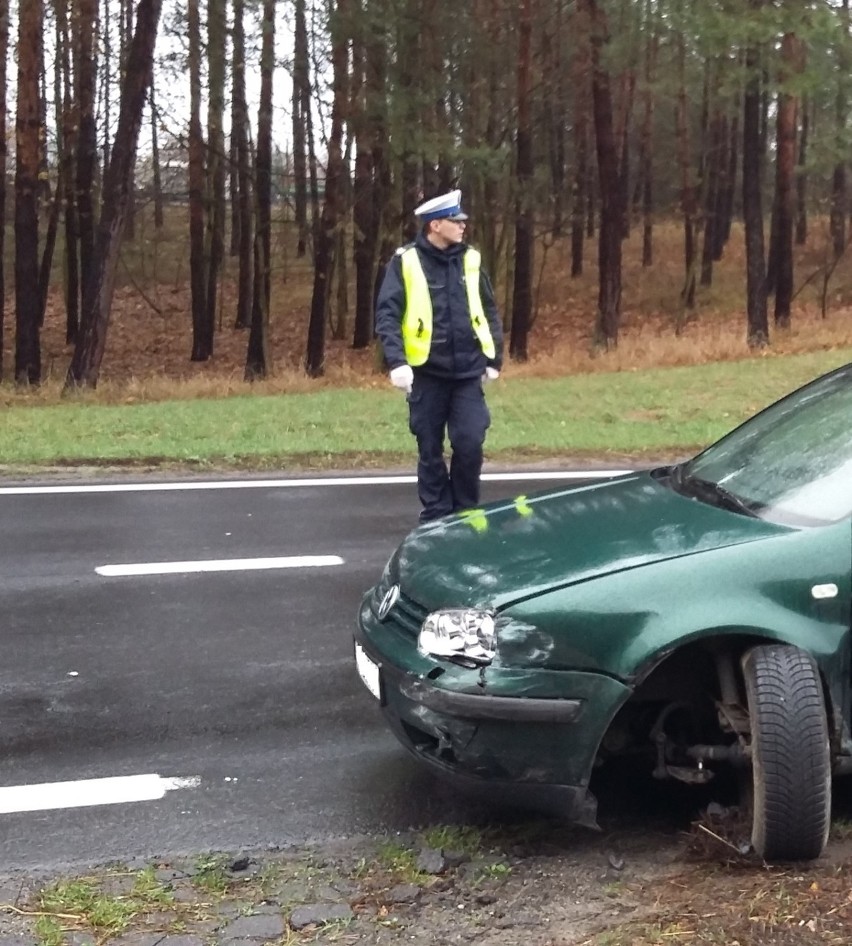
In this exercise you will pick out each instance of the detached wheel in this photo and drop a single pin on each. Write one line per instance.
(791, 762)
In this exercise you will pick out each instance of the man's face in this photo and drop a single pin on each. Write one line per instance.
(446, 232)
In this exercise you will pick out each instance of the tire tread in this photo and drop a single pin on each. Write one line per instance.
(791, 758)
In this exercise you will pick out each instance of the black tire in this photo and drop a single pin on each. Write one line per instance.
(791, 760)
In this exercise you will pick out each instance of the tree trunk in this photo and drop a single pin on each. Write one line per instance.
(713, 162)
(48, 248)
(757, 332)
(27, 134)
(84, 17)
(215, 204)
(377, 85)
(45, 191)
(839, 197)
(365, 210)
(578, 196)
(802, 176)
(581, 71)
(98, 289)
(785, 172)
(556, 116)
(202, 342)
(257, 355)
(332, 208)
(623, 137)
(611, 222)
(105, 37)
(591, 199)
(433, 176)
(688, 201)
(301, 115)
(489, 84)
(242, 198)
(124, 38)
(728, 186)
(339, 312)
(646, 154)
(525, 169)
(409, 78)
(57, 200)
(67, 170)
(157, 177)
(313, 164)
(4, 48)
(237, 75)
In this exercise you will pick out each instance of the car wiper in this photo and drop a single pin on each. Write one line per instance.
(677, 475)
(715, 493)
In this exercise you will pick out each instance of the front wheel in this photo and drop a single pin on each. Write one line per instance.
(791, 761)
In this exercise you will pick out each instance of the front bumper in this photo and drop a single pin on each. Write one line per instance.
(477, 706)
(534, 748)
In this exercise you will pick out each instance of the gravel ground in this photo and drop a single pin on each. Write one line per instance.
(532, 884)
(536, 884)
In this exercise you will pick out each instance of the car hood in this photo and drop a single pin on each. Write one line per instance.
(512, 550)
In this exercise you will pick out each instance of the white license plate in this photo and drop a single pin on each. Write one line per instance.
(369, 672)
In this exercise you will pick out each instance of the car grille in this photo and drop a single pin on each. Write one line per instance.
(406, 614)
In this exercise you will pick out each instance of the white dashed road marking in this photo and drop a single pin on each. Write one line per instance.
(281, 484)
(218, 565)
(96, 791)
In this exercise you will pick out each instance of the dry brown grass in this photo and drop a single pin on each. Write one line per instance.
(150, 334)
(723, 897)
(728, 905)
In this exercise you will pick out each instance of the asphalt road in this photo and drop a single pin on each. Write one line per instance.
(238, 686)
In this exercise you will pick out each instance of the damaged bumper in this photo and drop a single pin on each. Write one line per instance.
(485, 707)
(534, 748)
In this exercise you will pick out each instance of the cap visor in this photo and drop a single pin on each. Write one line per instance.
(458, 216)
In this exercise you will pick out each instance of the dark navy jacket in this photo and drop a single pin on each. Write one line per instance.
(455, 351)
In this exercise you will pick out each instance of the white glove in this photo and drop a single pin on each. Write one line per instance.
(491, 374)
(402, 377)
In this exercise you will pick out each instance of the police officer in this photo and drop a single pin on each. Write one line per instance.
(438, 324)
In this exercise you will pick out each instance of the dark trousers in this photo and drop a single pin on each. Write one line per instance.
(457, 408)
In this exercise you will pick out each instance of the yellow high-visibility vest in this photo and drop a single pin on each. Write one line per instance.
(417, 318)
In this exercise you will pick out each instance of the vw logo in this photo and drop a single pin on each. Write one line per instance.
(390, 599)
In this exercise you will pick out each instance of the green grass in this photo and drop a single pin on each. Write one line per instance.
(668, 410)
(400, 861)
(210, 875)
(464, 838)
(81, 904)
(48, 931)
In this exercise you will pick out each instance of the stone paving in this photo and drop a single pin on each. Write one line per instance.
(384, 892)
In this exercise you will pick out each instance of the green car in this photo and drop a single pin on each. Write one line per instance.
(696, 616)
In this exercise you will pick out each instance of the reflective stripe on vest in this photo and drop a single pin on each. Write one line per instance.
(417, 318)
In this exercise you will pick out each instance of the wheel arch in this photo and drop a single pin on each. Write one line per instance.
(696, 656)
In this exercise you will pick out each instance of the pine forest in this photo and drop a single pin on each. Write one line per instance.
(242, 171)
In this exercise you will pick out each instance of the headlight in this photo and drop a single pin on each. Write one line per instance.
(463, 634)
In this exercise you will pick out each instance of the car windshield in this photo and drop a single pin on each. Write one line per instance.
(791, 463)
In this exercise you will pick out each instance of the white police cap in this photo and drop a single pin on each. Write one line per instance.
(447, 205)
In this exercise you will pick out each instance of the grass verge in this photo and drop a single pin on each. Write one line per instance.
(635, 413)
(528, 883)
